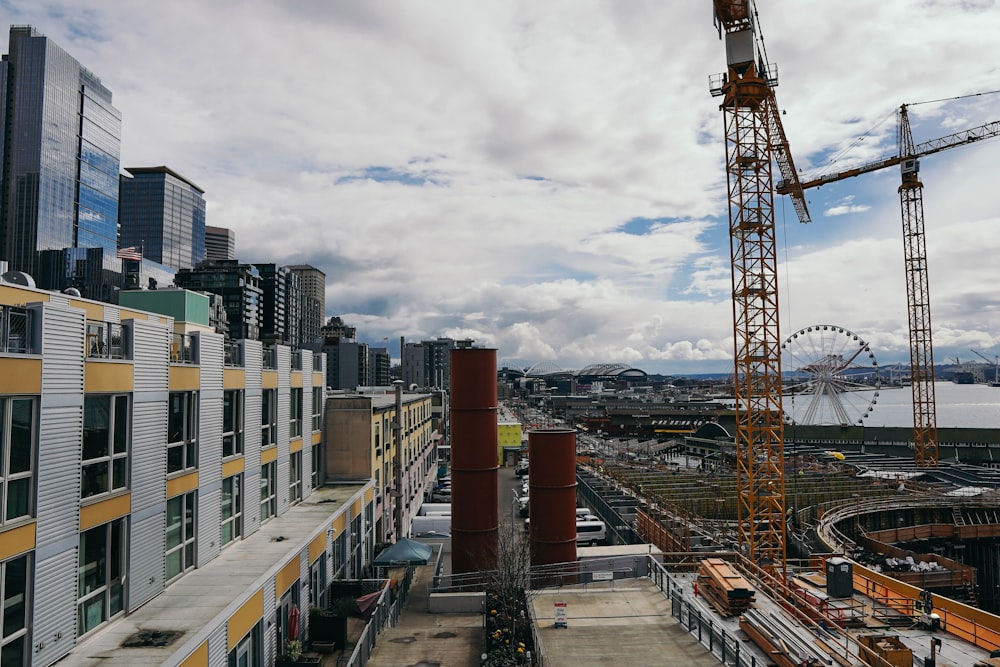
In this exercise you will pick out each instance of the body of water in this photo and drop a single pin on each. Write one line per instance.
(958, 405)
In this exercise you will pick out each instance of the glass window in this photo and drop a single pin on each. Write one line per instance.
(101, 571)
(17, 446)
(314, 472)
(14, 590)
(232, 422)
(268, 507)
(232, 509)
(268, 417)
(180, 534)
(317, 408)
(295, 413)
(105, 444)
(295, 477)
(182, 435)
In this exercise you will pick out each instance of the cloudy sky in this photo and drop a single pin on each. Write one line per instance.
(547, 177)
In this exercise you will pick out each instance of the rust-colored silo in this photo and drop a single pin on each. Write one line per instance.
(474, 515)
(552, 490)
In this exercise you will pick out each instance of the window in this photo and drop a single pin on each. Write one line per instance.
(180, 534)
(232, 508)
(317, 408)
(295, 477)
(232, 422)
(268, 417)
(14, 575)
(100, 595)
(268, 506)
(182, 437)
(295, 413)
(247, 652)
(17, 438)
(314, 471)
(105, 444)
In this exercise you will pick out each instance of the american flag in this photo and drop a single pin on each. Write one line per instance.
(132, 252)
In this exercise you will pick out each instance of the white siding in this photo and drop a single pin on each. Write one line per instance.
(62, 350)
(209, 518)
(218, 646)
(54, 616)
(149, 453)
(270, 637)
(60, 437)
(146, 561)
(151, 354)
(281, 488)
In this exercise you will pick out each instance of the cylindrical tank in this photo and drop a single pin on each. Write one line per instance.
(474, 510)
(552, 495)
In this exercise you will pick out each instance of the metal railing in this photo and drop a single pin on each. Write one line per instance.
(268, 357)
(15, 330)
(386, 614)
(233, 354)
(105, 340)
(318, 362)
(183, 349)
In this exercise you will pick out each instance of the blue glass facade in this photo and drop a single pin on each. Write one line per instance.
(61, 158)
(164, 213)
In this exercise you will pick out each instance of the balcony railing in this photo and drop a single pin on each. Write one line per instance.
(233, 354)
(268, 357)
(317, 362)
(105, 340)
(15, 330)
(296, 360)
(184, 349)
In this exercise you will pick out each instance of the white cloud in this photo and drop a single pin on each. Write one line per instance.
(530, 133)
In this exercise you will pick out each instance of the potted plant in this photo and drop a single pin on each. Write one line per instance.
(328, 627)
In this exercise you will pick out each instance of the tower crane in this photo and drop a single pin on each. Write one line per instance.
(911, 201)
(755, 139)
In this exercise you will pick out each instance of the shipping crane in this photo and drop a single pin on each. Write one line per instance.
(755, 139)
(911, 201)
(996, 368)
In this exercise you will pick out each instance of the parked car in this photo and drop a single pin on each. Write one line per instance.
(441, 496)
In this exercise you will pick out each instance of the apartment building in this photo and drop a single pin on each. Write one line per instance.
(362, 443)
(161, 497)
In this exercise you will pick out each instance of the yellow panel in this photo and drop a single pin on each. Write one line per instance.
(286, 576)
(104, 376)
(197, 659)
(21, 376)
(295, 445)
(317, 437)
(268, 455)
(182, 484)
(234, 378)
(95, 311)
(340, 523)
(245, 618)
(356, 508)
(369, 495)
(234, 467)
(318, 380)
(16, 296)
(104, 511)
(295, 380)
(317, 547)
(17, 540)
(269, 380)
(184, 378)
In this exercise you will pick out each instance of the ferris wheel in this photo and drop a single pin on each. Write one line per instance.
(829, 375)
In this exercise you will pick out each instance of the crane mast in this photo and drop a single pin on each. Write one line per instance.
(749, 119)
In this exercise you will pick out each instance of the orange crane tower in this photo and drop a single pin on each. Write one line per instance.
(911, 201)
(754, 140)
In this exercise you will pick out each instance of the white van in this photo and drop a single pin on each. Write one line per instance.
(423, 525)
(590, 532)
(436, 508)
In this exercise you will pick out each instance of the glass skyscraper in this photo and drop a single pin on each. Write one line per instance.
(163, 213)
(59, 153)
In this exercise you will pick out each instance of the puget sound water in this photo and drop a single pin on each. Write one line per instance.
(957, 405)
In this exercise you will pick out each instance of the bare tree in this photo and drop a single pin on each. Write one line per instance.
(508, 596)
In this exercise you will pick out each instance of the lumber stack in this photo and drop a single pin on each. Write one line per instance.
(724, 587)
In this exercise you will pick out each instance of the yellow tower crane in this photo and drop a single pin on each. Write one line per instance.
(755, 140)
(911, 200)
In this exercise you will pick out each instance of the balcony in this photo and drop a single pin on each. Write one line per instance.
(269, 358)
(183, 349)
(105, 340)
(15, 330)
(233, 354)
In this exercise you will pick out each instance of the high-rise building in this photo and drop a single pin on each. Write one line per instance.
(220, 243)
(347, 361)
(59, 154)
(312, 300)
(163, 214)
(379, 363)
(240, 289)
(428, 363)
(280, 318)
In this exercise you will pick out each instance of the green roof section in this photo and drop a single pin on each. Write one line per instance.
(181, 304)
